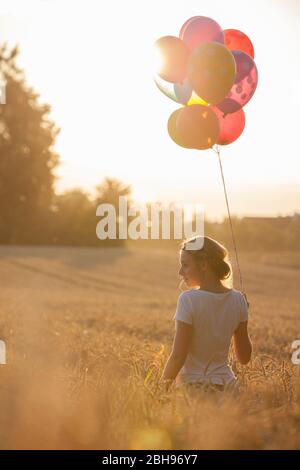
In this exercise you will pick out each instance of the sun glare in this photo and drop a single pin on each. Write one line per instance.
(158, 60)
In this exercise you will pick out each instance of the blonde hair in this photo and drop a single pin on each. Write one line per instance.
(215, 254)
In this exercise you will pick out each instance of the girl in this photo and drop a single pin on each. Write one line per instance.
(208, 315)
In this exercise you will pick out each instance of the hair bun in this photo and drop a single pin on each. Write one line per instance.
(215, 253)
(221, 268)
(225, 269)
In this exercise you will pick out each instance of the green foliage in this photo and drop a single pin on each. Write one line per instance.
(259, 233)
(27, 158)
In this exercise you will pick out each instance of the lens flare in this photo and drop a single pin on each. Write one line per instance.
(151, 439)
(158, 60)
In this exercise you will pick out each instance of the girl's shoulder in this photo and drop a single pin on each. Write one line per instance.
(192, 293)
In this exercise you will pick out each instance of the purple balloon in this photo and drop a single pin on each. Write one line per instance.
(244, 86)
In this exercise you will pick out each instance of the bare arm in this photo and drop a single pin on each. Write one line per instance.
(179, 352)
(242, 343)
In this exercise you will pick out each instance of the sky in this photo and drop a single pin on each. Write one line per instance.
(92, 61)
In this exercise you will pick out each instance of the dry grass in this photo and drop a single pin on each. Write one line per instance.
(88, 332)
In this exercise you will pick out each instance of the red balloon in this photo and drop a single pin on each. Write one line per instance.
(244, 86)
(198, 126)
(200, 29)
(231, 125)
(174, 58)
(235, 40)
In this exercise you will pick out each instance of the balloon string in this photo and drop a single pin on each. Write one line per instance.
(217, 151)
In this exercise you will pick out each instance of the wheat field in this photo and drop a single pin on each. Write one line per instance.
(88, 331)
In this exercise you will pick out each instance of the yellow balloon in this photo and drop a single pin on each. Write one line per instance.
(211, 71)
(195, 99)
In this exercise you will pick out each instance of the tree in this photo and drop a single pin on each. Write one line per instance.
(108, 192)
(27, 157)
(73, 219)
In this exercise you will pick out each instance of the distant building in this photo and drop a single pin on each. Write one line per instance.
(278, 222)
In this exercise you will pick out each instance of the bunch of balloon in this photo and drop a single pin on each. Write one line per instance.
(211, 73)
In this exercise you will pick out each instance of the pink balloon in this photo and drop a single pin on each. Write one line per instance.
(200, 29)
(231, 125)
(244, 86)
(236, 40)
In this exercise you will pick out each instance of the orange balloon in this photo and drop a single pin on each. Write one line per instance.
(211, 71)
(198, 126)
(172, 129)
(174, 55)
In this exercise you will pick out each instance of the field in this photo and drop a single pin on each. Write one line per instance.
(88, 331)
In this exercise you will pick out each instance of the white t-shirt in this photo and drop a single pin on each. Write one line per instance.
(214, 318)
